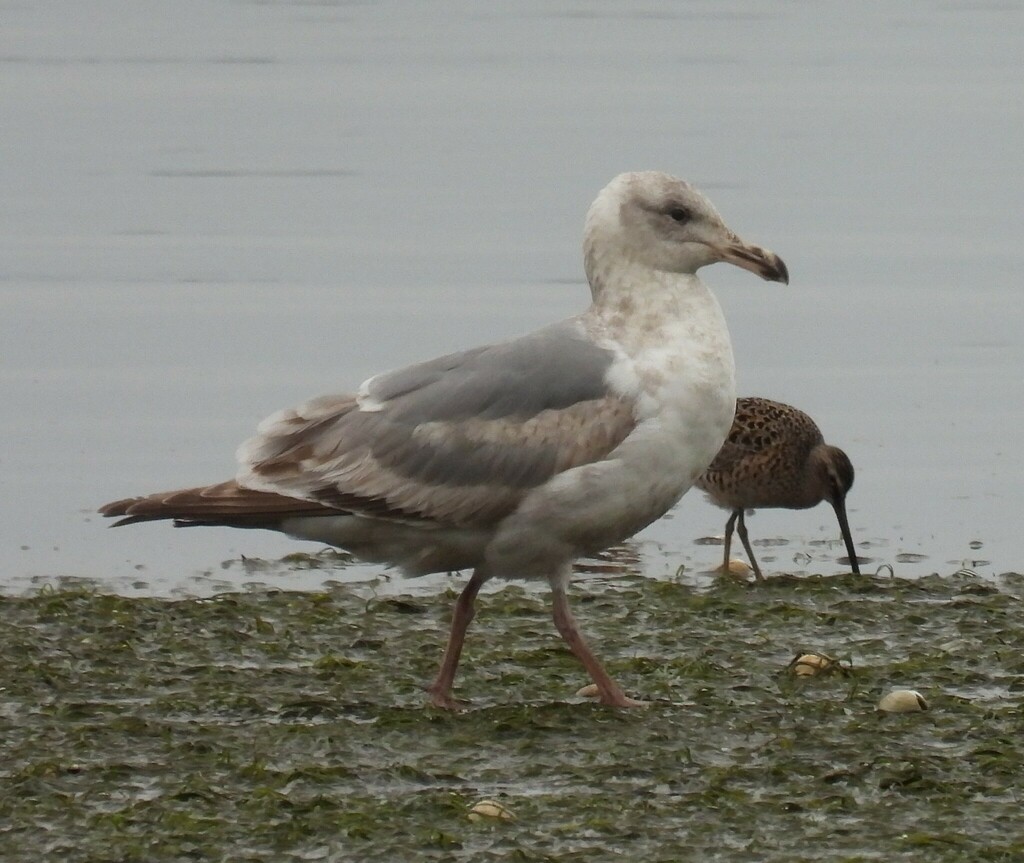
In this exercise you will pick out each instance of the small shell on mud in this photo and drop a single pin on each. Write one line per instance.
(811, 664)
(588, 691)
(903, 701)
(738, 568)
(490, 809)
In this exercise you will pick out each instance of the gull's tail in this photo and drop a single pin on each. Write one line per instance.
(226, 504)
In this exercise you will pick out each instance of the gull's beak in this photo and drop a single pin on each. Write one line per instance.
(764, 262)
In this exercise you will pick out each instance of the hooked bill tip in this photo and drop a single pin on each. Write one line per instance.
(778, 272)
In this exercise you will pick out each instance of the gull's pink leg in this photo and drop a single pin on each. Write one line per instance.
(441, 689)
(611, 692)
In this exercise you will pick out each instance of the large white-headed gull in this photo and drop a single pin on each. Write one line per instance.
(516, 458)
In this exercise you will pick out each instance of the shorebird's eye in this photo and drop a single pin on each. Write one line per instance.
(680, 214)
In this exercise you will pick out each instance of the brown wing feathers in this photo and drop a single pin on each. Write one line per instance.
(226, 504)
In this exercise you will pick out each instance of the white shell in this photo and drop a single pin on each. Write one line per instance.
(739, 568)
(903, 701)
(490, 809)
(588, 691)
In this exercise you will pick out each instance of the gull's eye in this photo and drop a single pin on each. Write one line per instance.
(680, 215)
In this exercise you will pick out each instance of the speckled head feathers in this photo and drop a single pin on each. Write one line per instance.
(655, 220)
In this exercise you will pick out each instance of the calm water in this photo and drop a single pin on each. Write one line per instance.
(213, 210)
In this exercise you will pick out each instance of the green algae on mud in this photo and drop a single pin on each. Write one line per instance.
(291, 726)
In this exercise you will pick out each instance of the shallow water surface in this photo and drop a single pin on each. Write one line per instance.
(215, 213)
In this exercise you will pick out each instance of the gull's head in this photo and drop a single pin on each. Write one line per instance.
(662, 222)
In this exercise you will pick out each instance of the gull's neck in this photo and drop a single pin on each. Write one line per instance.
(632, 300)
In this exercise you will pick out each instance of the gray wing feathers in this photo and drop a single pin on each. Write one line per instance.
(459, 440)
(547, 370)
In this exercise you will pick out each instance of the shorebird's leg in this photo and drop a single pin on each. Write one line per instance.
(440, 690)
(729, 525)
(610, 691)
(741, 529)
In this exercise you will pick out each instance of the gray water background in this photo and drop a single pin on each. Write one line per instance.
(212, 210)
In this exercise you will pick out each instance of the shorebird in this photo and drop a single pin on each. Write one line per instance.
(775, 456)
(515, 458)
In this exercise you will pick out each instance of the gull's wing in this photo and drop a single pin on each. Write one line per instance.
(458, 440)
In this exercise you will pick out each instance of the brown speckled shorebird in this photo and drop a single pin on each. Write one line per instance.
(775, 456)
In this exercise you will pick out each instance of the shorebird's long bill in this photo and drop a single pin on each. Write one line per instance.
(764, 262)
(840, 507)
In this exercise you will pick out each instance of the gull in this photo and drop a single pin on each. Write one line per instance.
(514, 459)
(776, 456)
